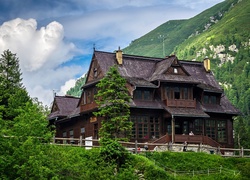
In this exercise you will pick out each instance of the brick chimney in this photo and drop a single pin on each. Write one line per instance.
(119, 56)
(206, 62)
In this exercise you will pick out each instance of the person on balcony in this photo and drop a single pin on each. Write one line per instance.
(191, 133)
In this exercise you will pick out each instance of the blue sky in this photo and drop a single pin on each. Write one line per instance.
(54, 39)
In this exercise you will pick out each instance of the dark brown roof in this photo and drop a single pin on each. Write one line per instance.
(140, 82)
(197, 71)
(133, 66)
(209, 88)
(66, 105)
(188, 112)
(224, 107)
(146, 104)
(174, 78)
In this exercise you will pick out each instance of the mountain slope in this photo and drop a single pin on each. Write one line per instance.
(173, 33)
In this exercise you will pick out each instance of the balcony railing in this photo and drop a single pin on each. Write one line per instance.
(183, 103)
(88, 107)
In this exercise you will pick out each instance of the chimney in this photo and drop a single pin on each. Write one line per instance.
(206, 62)
(119, 56)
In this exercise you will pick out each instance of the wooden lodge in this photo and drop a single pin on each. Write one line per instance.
(169, 99)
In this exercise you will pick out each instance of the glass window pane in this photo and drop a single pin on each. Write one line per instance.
(137, 94)
(147, 95)
(206, 99)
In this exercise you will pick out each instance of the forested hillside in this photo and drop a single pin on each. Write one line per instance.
(77, 89)
(220, 33)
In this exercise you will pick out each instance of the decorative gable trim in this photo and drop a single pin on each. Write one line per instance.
(95, 71)
(176, 68)
(55, 107)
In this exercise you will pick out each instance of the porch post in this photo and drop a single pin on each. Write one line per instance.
(173, 129)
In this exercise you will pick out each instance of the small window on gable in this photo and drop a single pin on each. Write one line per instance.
(175, 70)
(95, 72)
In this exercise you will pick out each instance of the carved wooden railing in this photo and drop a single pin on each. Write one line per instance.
(164, 139)
(184, 103)
(88, 107)
(197, 139)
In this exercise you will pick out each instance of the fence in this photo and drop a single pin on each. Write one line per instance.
(136, 147)
(205, 172)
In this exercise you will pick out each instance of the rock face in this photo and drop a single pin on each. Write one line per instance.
(220, 50)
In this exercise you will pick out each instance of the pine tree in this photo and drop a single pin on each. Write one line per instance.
(12, 92)
(113, 101)
(9, 70)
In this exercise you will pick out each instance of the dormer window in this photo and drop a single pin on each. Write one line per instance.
(141, 94)
(210, 99)
(175, 70)
(95, 72)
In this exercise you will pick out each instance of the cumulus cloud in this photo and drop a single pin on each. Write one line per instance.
(68, 84)
(41, 54)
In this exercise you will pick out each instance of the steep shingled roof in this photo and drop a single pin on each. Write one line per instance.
(65, 105)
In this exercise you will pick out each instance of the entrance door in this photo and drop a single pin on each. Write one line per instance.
(181, 126)
(95, 131)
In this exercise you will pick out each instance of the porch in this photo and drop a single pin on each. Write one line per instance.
(190, 139)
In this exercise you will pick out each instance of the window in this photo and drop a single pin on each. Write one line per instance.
(89, 94)
(71, 134)
(221, 130)
(82, 130)
(143, 94)
(95, 72)
(145, 127)
(168, 92)
(210, 99)
(210, 128)
(138, 94)
(175, 70)
(185, 93)
(147, 95)
(198, 126)
(64, 136)
(154, 127)
(213, 99)
(206, 99)
(177, 93)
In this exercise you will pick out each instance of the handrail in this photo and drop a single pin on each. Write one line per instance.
(80, 142)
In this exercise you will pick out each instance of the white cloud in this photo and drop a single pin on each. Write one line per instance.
(41, 54)
(68, 84)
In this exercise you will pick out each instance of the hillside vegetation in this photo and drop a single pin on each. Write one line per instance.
(220, 33)
(31, 159)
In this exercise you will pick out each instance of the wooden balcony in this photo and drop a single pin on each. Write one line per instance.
(88, 107)
(197, 139)
(182, 103)
(194, 139)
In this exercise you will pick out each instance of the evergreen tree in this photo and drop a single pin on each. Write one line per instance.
(9, 70)
(113, 101)
(12, 92)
